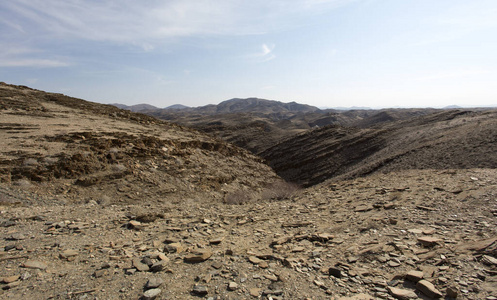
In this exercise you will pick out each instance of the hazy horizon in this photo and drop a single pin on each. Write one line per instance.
(325, 53)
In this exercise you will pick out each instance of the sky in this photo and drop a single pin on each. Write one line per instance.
(326, 53)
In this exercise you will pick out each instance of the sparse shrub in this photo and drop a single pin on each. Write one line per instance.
(279, 190)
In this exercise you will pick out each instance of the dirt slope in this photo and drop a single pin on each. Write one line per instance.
(448, 139)
(55, 144)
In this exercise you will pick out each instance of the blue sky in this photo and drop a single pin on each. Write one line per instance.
(327, 53)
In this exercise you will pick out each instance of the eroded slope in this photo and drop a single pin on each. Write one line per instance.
(54, 144)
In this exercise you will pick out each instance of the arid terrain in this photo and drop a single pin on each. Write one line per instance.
(102, 203)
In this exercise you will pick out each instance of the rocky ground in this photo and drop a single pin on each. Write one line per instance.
(408, 235)
(98, 203)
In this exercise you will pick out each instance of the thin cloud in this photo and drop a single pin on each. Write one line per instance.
(136, 21)
(40, 63)
(263, 55)
(267, 52)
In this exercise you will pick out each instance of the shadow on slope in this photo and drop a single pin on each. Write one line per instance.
(447, 139)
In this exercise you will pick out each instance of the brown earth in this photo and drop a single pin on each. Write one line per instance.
(71, 148)
(100, 203)
(257, 124)
(449, 139)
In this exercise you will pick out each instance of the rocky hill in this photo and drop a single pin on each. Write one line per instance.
(136, 107)
(257, 124)
(70, 147)
(448, 139)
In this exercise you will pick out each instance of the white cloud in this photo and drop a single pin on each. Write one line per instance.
(267, 52)
(264, 54)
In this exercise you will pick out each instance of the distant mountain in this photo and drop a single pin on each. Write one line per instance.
(253, 105)
(452, 107)
(262, 106)
(177, 107)
(135, 108)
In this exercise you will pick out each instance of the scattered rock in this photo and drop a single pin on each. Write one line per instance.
(414, 276)
(255, 292)
(34, 264)
(232, 286)
(151, 294)
(174, 248)
(198, 256)
(489, 260)
(428, 289)
(154, 282)
(402, 294)
(452, 292)
(10, 279)
(428, 241)
(139, 265)
(200, 290)
(69, 255)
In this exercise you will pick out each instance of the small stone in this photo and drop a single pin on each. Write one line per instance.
(216, 241)
(429, 231)
(198, 256)
(130, 271)
(452, 292)
(174, 248)
(255, 292)
(68, 255)
(254, 260)
(11, 285)
(325, 236)
(151, 294)
(298, 249)
(361, 296)
(414, 276)
(200, 290)
(10, 279)
(154, 282)
(393, 264)
(428, 289)
(25, 276)
(232, 286)
(133, 224)
(271, 277)
(363, 208)
(489, 260)
(428, 241)
(319, 284)
(402, 294)
(139, 265)
(217, 265)
(100, 273)
(158, 266)
(34, 264)
(335, 272)
(17, 236)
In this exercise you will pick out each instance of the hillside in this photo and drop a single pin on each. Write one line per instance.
(61, 145)
(102, 203)
(447, 139)
(258, 124)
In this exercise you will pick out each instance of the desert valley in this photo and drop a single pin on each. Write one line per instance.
(248, 199)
